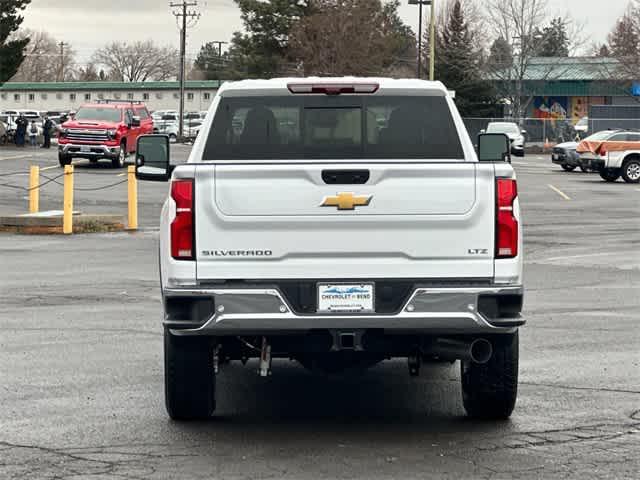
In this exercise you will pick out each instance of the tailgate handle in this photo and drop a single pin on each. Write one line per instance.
(345, 177)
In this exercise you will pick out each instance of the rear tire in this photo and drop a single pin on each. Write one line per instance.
(610, 175)
(188, 377)
(490, 390)
(567, 168)
(584, 169)
(631, 170)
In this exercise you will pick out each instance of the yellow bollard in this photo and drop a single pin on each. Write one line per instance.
(67, 220)
(133, 197)
(34, 189)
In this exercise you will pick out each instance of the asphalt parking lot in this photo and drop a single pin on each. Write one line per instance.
(81, 357)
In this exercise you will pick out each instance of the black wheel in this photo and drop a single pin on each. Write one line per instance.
(631, 170)
(584, 169)
(489, 390)
(610, 175)
(567, 168)
(173, 138)
(119, 161)
(189, 378)
(64, 159)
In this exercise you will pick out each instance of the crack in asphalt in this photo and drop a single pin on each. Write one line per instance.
(86, 456)
(98, 466)
(577, 435)
(569, 387)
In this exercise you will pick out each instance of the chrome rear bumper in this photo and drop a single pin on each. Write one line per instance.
(265, 310)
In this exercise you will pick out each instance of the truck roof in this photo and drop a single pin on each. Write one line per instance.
(383, 82)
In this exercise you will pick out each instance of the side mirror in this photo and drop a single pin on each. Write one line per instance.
(494, 147)
(153, 158)
(523, 132)
(135, 122)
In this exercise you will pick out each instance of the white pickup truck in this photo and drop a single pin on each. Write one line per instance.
(338, 222)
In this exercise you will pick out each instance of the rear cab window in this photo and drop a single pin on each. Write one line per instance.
(390, 127)
(142, 113)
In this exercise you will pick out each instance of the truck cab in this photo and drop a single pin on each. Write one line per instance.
(338, 222)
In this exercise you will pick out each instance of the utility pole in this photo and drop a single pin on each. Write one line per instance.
(183, 14)
(420, 42)
(61, 68)
(432, 37)
(432, 43)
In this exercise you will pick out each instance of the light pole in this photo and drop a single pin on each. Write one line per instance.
(432, 37)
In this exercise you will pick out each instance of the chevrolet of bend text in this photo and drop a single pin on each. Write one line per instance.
(338, 222)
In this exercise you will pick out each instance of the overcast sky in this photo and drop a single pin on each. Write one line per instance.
(88, 24)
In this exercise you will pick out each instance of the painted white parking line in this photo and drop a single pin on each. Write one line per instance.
(121, 175)
(48, 168)
(559, 192)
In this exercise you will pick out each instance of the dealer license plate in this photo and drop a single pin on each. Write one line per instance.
(85, 148)
(342, 297)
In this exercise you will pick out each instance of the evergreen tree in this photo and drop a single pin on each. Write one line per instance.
(602, 51)
(554, 39)
(263, 51)
(500, 55)
(400, 39)
(458, 66)
(212, 64)
(11, 51)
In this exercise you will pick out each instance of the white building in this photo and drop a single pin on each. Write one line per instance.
(70, 95)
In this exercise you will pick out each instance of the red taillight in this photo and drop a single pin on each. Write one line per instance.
(333, 88)
(182, 228)
(506, 223)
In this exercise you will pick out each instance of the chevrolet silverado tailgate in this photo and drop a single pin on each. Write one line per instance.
(289, 221)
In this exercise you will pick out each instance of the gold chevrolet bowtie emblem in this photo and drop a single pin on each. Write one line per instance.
(346, 201)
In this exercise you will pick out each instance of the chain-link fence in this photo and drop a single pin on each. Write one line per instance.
(540, 132)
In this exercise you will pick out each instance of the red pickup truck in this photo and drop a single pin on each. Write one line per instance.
(107, 129)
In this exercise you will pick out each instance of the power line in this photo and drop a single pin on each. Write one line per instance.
(182, 13)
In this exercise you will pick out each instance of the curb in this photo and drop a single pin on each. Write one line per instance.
(52, 224)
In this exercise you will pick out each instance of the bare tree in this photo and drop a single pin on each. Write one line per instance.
(45, 60)
(138, 62)
(339, 38)
(351, 37)
(624, 42)
(88, 73)
(519, 25)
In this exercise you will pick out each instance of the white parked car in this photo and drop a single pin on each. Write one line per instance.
(513, 131)
(336, 241)
(614, 154)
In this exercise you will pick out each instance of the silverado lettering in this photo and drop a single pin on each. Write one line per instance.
(238, 253)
